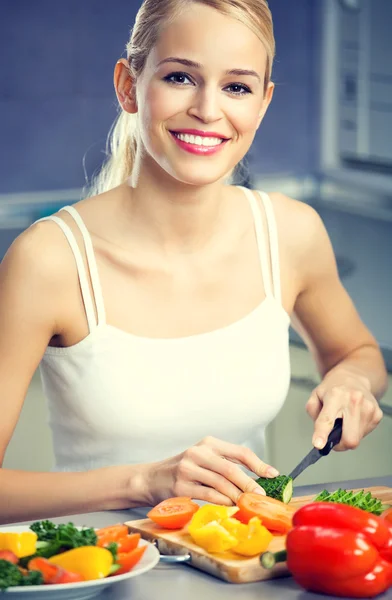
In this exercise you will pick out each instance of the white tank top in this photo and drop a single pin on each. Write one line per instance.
(118, 398)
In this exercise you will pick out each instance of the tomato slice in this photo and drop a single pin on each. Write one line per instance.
(112, 533)
(128, 542)
(9, 556)
(173, 513)
(275, 515)
(127, 560)
(52, 573)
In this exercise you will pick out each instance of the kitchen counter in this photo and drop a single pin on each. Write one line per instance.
(172, 582)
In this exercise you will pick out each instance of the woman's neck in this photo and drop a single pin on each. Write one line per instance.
(177, 217)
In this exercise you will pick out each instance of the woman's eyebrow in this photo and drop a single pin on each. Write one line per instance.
(190, 63)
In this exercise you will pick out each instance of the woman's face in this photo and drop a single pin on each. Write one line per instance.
(201, 97)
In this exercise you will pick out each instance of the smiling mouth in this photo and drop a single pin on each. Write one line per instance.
(198, 140)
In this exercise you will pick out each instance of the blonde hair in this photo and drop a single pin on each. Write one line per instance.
(122, 143)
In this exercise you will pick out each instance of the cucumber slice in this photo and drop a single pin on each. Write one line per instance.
(280, 487)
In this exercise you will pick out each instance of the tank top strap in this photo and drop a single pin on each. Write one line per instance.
(84, 286)
(91, 262)
(274, 245)
(261, 242)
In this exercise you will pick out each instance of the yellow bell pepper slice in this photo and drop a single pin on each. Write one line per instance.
(92, 562)
(213, 537)
(21, 544)
(211, 512)
(252, 539)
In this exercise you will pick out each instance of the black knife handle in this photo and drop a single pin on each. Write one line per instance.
(333, 438)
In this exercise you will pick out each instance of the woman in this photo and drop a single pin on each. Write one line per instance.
(160, 315)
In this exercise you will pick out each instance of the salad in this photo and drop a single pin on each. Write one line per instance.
(50, 554)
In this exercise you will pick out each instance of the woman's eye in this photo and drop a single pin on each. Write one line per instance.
(178, 78)
(238, 89)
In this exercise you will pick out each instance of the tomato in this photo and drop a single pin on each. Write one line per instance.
(52, 573)
(387, 515)
(275, 515)
(9, 556)
(128, 543)
(112, 533)
(124, 544)
(173, 513)
(127, 560)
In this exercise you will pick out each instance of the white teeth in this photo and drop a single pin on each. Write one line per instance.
(198, 140)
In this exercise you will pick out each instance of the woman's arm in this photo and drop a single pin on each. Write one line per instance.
(347, 354)
(33, 294)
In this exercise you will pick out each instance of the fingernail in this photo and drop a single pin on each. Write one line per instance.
(319, 443)
(260, 490)
(272, 472)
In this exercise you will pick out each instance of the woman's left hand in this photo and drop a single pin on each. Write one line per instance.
(347, 395)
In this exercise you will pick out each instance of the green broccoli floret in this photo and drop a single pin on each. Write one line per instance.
(11, 576)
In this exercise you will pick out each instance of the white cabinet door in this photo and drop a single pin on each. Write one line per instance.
(30, 448)
(289, 437)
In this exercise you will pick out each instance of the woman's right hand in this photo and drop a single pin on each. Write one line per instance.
(208, 471)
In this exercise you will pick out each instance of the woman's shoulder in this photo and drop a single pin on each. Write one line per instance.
(296, 220)
(41, 252)
(303, 238)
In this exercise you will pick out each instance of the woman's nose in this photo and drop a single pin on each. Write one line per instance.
(206, 105)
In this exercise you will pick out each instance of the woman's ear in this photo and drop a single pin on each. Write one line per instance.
(266, 102)
(123, 84)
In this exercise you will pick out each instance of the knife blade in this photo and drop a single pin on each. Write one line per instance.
(315, 454)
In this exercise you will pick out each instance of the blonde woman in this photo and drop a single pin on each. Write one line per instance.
(158, 309)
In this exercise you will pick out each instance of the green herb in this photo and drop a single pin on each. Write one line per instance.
(53, 539)
(11, 576)
(113, 547)
(360, 499)
(68, 534)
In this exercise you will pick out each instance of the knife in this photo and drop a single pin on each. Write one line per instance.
(315, 454)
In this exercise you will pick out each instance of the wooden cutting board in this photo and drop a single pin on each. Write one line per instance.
(227, 566)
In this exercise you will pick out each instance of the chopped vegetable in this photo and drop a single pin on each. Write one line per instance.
(11, 575)
(111, 533)
(280, 487)
(52, 573)
(360, 499)
(92, 562)
(58, 538)
(173, 513)
(207, 531)
(216, 529)
(128, 543)
(274, 514)
(21, 544)
(127, 560)
(9, 556)
(213, 537)
(211, 512)
(66, 554)
(252, 538)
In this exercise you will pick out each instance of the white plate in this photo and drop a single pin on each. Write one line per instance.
(81, 590)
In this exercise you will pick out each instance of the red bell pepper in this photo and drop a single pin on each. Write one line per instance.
(328, 514)
(337, 549)
(386, 551)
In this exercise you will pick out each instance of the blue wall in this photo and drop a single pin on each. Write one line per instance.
(57, 101)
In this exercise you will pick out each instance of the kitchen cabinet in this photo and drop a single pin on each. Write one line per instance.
(289, 436)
